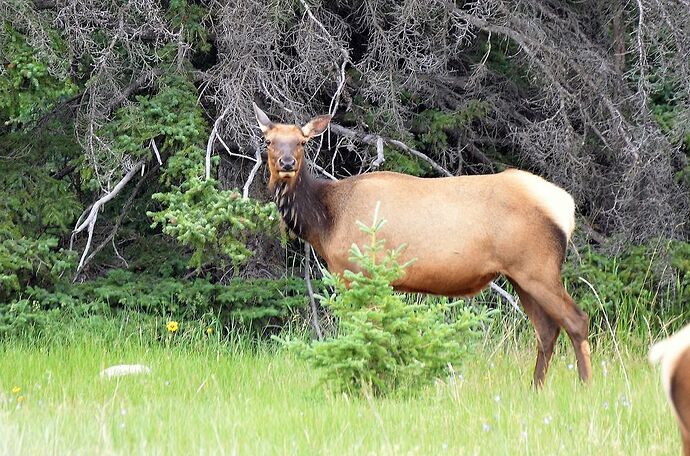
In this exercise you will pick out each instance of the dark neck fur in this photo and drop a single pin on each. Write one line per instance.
(302, 206)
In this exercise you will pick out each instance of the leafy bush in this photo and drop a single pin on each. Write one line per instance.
(636, 289)
(253, 304)
(383, 343)
(27, 87)
(193, 210)
(215, 223)
(35, 209)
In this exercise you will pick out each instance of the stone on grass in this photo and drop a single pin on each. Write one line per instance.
(125, 369)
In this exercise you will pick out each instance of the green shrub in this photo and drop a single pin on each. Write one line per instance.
(636, 290)
(383, 343)
(251, 304)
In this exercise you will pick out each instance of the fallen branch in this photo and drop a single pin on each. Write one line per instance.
(120, 218)
(90, 220)
(137, 84)
(66, 170)
(155, 151)
(507, 296)
(323, 171)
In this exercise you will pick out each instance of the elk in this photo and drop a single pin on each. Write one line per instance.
(674, 355)
(461, 231)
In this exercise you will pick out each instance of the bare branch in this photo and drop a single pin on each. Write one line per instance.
(90, 220)
(155, 151)
(310, 290)
(380, 158)
(211, 138)
(505, 295)
(118, 222)
(372, 140)
(255, 168)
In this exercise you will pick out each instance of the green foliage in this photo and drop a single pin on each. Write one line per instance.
(636, 290)
(498, 53)
(34, 211)
(434, 124)
(23, 317)
(26, 86)
(214, 222)
(190, 18)
(173, 118)
(666, 106)
(406, 164)
(210, 220)
(249, 303)
(383, 343)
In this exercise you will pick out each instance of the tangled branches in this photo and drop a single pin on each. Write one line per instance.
(591, 129)
(569, 90)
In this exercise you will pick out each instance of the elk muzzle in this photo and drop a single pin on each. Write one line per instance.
(287, 167)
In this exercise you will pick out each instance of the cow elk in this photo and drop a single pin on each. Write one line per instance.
(462, 231)
(674, 355)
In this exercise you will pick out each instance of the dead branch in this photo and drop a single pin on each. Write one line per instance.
(252, 173)
(373, 139)
(156, 151)
(211, 138)
(507, 296)
(143, 80)
(310, 290)
(380, 158)
(333, 107)
(120, 218)
(90, 220)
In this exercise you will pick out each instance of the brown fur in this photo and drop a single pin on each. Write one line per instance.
(674, 355)
(680, 395)
(462, 232)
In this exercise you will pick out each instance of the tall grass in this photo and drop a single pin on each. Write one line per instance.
(211, 395)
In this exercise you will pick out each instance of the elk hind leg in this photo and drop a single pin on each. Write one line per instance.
(552, 297)
(547, 331)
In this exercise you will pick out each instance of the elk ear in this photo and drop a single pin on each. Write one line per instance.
(264, 122)
(316, 126)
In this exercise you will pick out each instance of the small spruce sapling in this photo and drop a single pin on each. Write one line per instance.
(384, 344)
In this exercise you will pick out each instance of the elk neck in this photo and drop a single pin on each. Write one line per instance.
(303, 206)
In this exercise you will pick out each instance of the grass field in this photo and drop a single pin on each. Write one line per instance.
(213, 397)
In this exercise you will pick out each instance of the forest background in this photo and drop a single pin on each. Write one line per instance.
(130, 159)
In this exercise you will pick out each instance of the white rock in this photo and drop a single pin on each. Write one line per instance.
(125, 369)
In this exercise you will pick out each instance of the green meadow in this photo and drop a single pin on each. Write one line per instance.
(208, 395)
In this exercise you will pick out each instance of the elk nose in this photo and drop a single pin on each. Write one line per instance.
(286, 163)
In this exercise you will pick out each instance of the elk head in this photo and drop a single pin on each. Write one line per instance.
(286, 145)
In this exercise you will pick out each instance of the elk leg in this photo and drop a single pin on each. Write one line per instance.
(547, 333)
(552, 297)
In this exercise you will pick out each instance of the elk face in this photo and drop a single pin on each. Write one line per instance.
(285, 145)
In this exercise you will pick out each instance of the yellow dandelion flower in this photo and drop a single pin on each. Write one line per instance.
(209, 330)
(172, 326)
(16, 390)
(21, 399)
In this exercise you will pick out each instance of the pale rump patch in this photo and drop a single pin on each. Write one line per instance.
(556, 202)
(668, 352)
